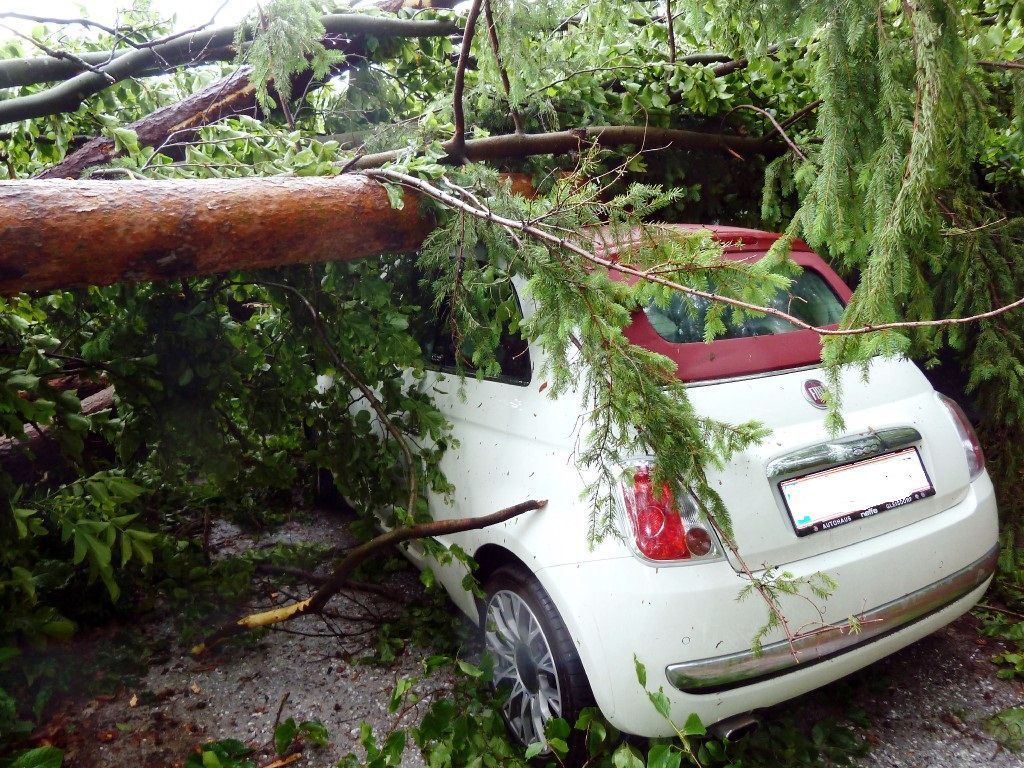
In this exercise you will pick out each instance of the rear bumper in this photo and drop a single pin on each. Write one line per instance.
(731, 670)
(921, 577)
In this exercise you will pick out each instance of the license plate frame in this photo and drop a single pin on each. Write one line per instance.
(899, 473)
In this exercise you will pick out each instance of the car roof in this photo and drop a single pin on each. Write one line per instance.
(733, 239)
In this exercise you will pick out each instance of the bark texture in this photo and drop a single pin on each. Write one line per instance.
(234, 95)
(60, 233)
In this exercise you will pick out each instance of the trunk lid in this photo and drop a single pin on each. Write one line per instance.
(895, 399)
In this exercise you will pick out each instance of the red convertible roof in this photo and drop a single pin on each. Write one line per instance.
(733, 239)
(729, 358)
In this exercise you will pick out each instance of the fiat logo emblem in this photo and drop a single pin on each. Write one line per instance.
(814, 391)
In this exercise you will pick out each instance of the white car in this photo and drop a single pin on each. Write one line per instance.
(899, 510)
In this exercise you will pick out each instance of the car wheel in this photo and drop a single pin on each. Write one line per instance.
(535, 660)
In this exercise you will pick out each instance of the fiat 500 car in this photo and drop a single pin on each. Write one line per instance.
(898, 510)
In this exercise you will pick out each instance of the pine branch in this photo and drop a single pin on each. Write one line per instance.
(615, 263)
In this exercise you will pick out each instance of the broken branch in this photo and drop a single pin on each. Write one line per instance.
(355, 557)
(200, 47)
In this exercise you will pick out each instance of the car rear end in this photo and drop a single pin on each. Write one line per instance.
(897, 510)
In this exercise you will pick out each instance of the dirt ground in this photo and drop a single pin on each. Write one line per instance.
(925, 706)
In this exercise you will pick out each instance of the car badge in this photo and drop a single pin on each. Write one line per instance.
(814, 391)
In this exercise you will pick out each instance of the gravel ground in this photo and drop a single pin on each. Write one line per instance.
(927, 705)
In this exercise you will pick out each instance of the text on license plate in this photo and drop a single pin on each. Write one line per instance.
(824, 500)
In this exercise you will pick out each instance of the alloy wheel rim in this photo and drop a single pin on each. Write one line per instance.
(524, 664)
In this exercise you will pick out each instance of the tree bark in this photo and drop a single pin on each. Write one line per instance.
(59, 233)
(234, 95)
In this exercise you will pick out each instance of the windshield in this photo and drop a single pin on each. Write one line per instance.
(809, 298)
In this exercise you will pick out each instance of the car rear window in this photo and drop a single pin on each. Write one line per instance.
(809, 298)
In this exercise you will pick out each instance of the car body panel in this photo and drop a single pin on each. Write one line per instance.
(515, 442)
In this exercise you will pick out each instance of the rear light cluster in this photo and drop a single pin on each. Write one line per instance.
(972, 448)
(662, 524)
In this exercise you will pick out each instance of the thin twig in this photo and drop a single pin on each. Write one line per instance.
(61, 54)
(800, 114)
(671, 32)
(492, 34)
(1002, 64)
(280, 709)
(775, 123)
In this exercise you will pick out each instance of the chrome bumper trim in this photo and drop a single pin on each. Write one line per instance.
(745, 667)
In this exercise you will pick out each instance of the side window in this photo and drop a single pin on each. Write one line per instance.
(434, 331)
(512, 352)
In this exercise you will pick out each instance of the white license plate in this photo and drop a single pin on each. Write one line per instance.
(825, 500)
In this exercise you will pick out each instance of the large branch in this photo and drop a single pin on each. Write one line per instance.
(200, 47)
(59, 233)
(233, 95)
(352, 560)
(517, 146)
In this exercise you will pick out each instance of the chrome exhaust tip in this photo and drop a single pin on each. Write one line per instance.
(735, 727)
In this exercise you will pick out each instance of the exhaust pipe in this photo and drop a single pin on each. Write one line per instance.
(735, 727)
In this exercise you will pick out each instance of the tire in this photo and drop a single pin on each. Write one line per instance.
(539, 686)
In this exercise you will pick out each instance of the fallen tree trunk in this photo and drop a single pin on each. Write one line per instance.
(59, 233)
(338, 578)
(56, 233)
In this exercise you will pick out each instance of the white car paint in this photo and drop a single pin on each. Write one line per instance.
(516, 443)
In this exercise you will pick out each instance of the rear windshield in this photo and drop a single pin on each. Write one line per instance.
(809, 298)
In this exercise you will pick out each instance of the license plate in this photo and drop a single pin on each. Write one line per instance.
(825, 500)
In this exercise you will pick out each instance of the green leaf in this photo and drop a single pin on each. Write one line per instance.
(40, 757)
(626, 757)
(534, 749)
(396, 196)
(661, 703)
(557, 728)
(596, 735)
(284, 735)
(664, 756)
(427, 578)
(693, 726)
(558, 746)
(314, 732)
(470, 669)
(641, 672)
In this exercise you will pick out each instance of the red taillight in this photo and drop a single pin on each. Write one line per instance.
(657, 525)
(972, 448)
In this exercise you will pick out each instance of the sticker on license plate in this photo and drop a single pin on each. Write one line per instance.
(825, 500)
